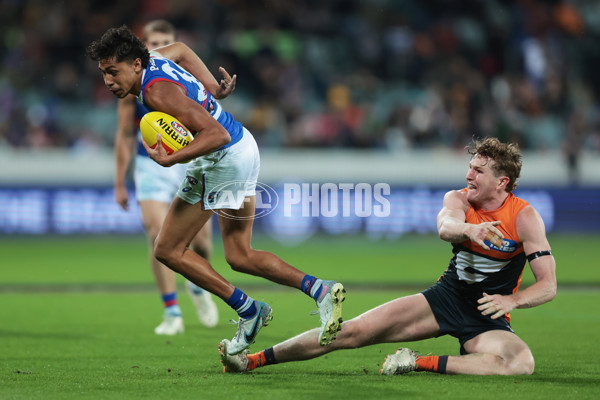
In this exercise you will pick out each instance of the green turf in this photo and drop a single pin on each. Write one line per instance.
(78, 313)
(101, 345)
(407, 260)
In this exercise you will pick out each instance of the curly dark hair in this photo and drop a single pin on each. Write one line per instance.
(120, 44)
(507, 158)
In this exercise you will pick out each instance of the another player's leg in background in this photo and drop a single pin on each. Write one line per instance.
(153, 214)
(207, 311)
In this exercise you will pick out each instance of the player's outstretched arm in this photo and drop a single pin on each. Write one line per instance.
(124, 143)
(181, 54)
(453, 228)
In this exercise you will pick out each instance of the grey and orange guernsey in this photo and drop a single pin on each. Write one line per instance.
(498, 270)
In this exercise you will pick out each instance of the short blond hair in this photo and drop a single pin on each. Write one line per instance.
(158, 25)
(507, 158)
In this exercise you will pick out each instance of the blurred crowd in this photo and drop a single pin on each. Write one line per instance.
(326, 73)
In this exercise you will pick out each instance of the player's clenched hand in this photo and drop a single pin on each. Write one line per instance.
(495, 305)
(158, 153)
(486, 231)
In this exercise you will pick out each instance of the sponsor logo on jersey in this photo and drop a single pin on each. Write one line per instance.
(212, 197)
(153, 66)
(211, 106)
(508, 246)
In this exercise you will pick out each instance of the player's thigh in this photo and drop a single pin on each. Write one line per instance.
(236, 225)
(182, 223)
(204, 236)
(154, 182)
(202, 242)
(155, 188)
(502, 343)
(403, 319)
(153, 214)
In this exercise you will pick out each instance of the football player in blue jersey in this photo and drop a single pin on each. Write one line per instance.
(155, 187)
(222, 175)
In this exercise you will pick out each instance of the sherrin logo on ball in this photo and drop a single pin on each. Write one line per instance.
(174, 134)
(179, 128)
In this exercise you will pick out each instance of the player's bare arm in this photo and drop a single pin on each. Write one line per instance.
(453, 228)
(170, 98)
(124, 142)
(181, 54)
(531, 230)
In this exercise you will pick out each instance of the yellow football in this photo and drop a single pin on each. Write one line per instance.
(174, 135)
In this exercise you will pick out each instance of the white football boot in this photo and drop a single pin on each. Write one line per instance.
(401, 362)
(248, 328)
(208, 314)
(330, 311)
(232, 363)
(171, 325)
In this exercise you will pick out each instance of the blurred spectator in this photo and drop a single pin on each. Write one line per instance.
(337, 73)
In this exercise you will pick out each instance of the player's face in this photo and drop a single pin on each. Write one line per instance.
(121, 78)
(159, 39)
(482, 183)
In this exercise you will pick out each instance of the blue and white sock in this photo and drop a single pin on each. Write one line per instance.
(197, 290)
(172, 308)
(243, 304)
(311, 286)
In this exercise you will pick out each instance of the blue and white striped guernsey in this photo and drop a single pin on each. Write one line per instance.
(162, 69)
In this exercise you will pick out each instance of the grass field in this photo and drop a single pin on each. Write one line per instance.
(78, 317)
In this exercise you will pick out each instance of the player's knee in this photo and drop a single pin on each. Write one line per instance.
(523, 364)
(163, 253)
(352, 336)
(529, 367)
(519, 364)
(152, 235)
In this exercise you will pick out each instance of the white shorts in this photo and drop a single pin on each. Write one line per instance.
(155, 182)
(222, 179)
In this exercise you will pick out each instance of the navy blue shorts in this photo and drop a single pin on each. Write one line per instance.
(457, 313)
